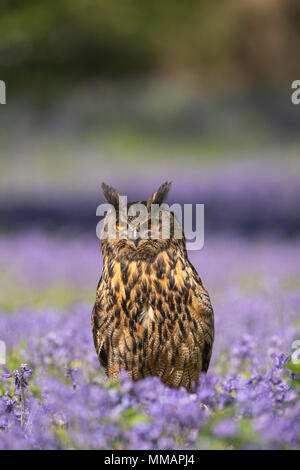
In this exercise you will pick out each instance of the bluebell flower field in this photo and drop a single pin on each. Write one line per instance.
(54, 395)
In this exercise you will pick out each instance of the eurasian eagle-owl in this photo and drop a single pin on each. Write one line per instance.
(152, 315)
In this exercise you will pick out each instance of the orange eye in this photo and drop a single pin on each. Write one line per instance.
(120, 226)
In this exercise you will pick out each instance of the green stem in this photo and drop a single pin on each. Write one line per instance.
(22, 406)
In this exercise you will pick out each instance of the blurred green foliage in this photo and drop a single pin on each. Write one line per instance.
(48, 45)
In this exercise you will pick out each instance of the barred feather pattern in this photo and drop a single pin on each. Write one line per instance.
(153, 317)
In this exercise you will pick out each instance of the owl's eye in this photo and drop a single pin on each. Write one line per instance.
(121, 226)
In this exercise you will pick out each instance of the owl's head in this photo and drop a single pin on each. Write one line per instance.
(139, 230)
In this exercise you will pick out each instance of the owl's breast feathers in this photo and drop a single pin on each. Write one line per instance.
(153, 319)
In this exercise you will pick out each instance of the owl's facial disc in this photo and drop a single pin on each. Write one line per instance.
(138, 234)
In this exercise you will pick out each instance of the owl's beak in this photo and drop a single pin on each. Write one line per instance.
(135, 237)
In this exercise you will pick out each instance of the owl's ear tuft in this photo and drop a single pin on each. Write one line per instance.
(110, 194)
(161, 194)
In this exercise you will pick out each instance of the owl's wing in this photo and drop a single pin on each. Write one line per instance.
(202, 314)
(101, 318)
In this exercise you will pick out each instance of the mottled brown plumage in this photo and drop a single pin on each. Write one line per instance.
(152, 315)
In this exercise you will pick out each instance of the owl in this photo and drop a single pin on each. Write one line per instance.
(152, 315)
